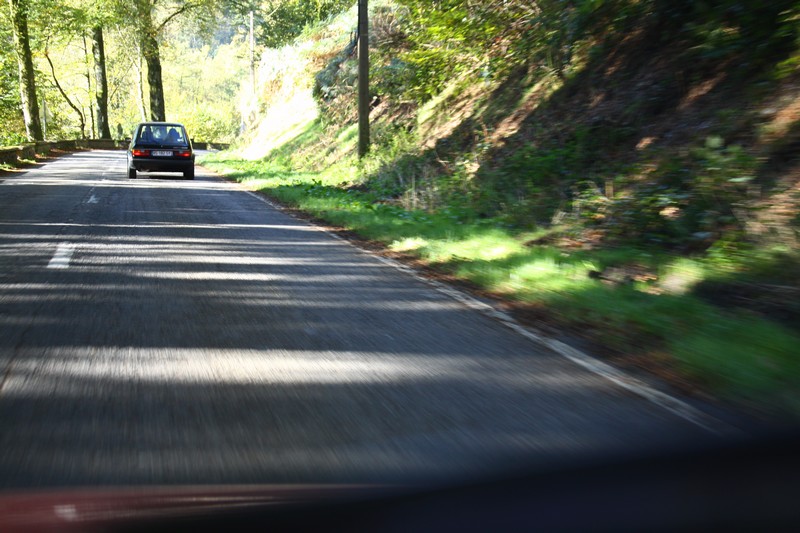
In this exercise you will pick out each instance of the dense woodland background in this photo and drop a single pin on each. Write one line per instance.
(626, 170)
(83, 64)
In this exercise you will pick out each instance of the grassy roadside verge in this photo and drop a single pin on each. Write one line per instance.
(735, 354)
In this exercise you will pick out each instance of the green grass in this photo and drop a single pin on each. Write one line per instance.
(740, 356)
(745, 355)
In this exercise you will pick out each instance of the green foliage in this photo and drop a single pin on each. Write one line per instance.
(451, 37)
(536, 182)
(202, 88)
(13, 130)
(700, 197)
(745, 358)
(573, 176)
(490, 39)
(213, 124)
(720, 185)
(724, 26)
(280, 21)
(424, 72)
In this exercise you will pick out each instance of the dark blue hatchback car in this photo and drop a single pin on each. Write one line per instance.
(160, 147)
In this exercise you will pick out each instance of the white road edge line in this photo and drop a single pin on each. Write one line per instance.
(636, 386)
(62, 256)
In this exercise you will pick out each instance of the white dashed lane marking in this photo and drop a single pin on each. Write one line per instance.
(62, 256)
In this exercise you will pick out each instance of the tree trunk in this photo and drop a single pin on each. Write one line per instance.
(27, 80)
(152, 57)
(67, 99)
(100, 83)
(148, 46)
(89, 88)
(140, 87)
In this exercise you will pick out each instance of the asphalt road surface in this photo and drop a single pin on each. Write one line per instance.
(162, 331)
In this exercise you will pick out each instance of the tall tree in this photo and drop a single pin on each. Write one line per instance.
(13, 130)
(148, 47)
(62, 22)
(100, 83)
(66, 97)
(27, 76)
(100, 15)
(151, 17)
(150, 24)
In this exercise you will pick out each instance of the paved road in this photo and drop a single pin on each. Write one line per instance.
(169, 331)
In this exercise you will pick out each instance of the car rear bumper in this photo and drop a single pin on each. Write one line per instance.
(146, 164)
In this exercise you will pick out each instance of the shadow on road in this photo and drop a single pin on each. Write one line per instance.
(196, 336)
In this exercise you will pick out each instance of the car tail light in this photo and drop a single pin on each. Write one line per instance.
(140, 153)
(183, 153)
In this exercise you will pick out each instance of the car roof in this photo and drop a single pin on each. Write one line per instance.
(160, 124)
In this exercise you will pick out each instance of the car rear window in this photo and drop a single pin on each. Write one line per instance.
(162, 134)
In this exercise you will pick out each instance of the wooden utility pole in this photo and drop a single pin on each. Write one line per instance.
(363, 78)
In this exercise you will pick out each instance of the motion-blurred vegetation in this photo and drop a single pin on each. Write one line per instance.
(627, 171)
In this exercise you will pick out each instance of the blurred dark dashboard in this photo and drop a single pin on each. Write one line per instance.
(751, 484)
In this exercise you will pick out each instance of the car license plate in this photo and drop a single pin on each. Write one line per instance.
(162, 153)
